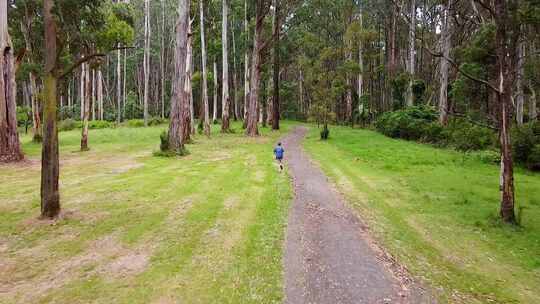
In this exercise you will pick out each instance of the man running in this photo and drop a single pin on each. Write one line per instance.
(278, 152)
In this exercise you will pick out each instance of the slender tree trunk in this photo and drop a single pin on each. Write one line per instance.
(205, 74)
(275, 99)
(178, 100)
(225, 98)
(99, 83)
(246, 66)
(36, 119)
(361, 65)
(235, 77)
(93, 94)
(162, 58)
(188, 107)
(124, 80)
(412, 53)
(446, 37)
(87, 106)
(50, 167)
(505, 61)
(520, 96)
(215, 112)
(533, 114)
(10, 148)
(146, 58)
(81, 91)
(118, 87)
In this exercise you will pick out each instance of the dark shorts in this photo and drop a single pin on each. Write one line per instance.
(279, 158)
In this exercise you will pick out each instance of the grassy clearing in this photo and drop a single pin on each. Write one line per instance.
(436, 211)
(205, 228)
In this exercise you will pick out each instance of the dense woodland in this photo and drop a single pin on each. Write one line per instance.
(456, 73)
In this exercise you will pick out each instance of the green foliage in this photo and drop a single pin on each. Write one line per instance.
(156, 121)
(325, 133)
(133, 109)
(465, 136)
(399, 88)
(24, 116)
(420, 123)
(533, 161)
(100, 124)
(135, 123)
(164, 138)
(165, 149)
(67, 125)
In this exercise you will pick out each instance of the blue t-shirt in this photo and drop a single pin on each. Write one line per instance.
(279, 151)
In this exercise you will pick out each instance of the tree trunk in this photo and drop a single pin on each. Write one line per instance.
(81, 92)
(50, 167)
(246, 66)
(275, 100)
(505, 61)
(93, 94)
(225, 101)
(124, 80)
(10, 148)
(235, 77)
(205, 74)
(162, 58)
(188, 108)
(412, 53)
(118, 87)
(214, 115)
(36, 119)
(533, 114)
(520, 96)
(446, 37)
(178, 100)
(100, 93)
(146, 58)
(252, 119)
(86, 116)
(361, 65)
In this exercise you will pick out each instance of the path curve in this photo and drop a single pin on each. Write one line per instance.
(327, 258)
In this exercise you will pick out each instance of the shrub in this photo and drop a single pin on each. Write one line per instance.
(325, 133)
(164, 137)
(523, 141)
(156, 121)
(487, 156)
(465, 136)
(533, 161)
(68, 125)
(413, 123)
(99, 124)
(23, 116)
(135, 123)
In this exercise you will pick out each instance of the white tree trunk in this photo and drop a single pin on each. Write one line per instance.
(124, 80)
(100, 93)
(412, 53)
(204, 74)
(533, 113)
(235, 78)
(118, 87)
(360, 63)
(93, 94)
(162, 59)
(520, 96)
(146, 62)
(214, 116)
(81, 91)
(446, 40)
(225, 101)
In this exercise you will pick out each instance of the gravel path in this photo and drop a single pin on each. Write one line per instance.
(328, 256)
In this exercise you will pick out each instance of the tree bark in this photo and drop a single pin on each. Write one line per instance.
(412, 53)
(162, 58)
(205, 74)
(520, 96)
(360, 87)
(225, 98)
(50, 167)
(505, 62)
(253, 115)
(215, 112)
(146, 58)
(533, 114)
(87, 105)
(235, 77)
(118, 87)
(446, 37)
(178, 100)
(246, 66)
(10, 148)
(188, 105)
(99, 83)
(275, 99)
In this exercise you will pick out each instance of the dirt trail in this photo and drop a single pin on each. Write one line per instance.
(328, 258)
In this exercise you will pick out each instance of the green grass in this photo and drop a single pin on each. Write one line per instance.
(204, 228)
(436, 211)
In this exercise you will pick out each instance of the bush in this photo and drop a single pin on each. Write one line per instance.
(487, 156)
(325, 133)
(68, 125)
(135, 123)
(156, 121)
(413, 123)
(24, 116)
(164, 137)
(524, 140)
(99, 124)
(533, 161)
(465, 136)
